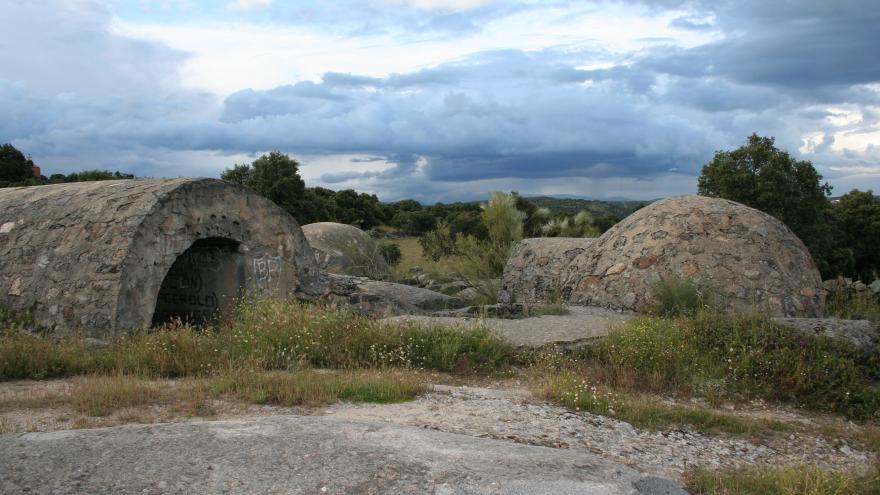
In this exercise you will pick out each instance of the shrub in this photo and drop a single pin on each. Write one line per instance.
(502, 219)
(390, 251)
(438, 242)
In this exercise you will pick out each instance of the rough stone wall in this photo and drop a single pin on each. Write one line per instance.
(93, 256)
(533, 272)
(746, 257)
(345, 250)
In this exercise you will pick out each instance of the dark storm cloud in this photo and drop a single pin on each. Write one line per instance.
(489, 116)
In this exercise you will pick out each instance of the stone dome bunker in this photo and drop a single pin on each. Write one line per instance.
(101, 257)
(747, 258)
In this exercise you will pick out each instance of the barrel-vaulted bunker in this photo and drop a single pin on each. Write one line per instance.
(101, 257)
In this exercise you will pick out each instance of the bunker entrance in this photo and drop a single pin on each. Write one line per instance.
(202, 281)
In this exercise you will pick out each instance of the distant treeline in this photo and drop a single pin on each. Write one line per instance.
(276, 176)
(17, 170)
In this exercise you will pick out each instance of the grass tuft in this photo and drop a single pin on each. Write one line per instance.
(572, 391)
(102, 395)
(677, 295)
(312, 389)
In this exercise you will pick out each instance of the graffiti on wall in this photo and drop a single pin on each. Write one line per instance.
(266, 269)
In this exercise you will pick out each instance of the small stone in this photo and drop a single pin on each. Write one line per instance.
(645, 262)
(15, 289)
(615, 269)
(808, 292)
(7, 227)
(690, 269)
(752, 274)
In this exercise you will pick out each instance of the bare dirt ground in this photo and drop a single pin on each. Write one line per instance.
(503, 411)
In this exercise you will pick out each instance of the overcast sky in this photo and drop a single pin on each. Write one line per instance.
(443, 99)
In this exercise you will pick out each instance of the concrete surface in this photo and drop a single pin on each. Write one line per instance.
(296, 454)
(105, 256)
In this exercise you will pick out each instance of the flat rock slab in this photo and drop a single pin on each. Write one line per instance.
(582, 323)
(296, 454)
(860, 333)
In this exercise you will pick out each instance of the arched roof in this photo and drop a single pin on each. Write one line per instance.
(92, 255)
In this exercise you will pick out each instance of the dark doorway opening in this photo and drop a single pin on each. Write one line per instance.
(202, 282)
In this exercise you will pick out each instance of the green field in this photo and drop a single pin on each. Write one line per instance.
(411, 255)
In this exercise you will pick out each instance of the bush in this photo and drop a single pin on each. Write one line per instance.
(502, 219)
(390, 251)
(580, 225)
(438, 242)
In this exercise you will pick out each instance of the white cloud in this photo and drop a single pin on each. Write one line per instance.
(446, 5)
(248, 4)
(228, 56)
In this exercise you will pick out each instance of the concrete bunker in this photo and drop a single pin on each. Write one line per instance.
(102, 257)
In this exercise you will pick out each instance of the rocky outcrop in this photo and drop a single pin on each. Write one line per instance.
(346, 250)
(859, 333)
(381, 299)
(533, 271)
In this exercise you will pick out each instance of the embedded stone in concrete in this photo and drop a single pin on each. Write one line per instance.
(121, 255)
(345, 250)
(532, 273)
(747, 258)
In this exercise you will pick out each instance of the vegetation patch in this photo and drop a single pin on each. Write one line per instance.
(721, 357)
(310, 388)
(545, 310)
(797, 480)
(571, 390)
(739, 356)
(677, 295)
(102, 395)
(265, 335)
(855, 306)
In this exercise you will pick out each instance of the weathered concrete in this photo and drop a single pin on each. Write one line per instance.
(106, 256)
(294, 454)
(345, 250)
(747, 258)
(533, 271)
